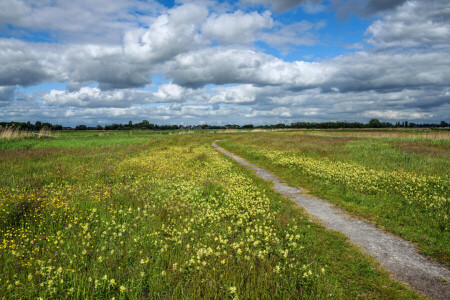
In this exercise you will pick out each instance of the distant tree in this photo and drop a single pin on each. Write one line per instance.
(81, 127)
(374, 123)
(38, 125)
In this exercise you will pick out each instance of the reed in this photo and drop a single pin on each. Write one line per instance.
(13, 133)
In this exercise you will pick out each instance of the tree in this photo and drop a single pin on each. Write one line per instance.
(375, 123)
(81, 127)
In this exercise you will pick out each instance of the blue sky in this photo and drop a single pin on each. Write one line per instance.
(221, 62)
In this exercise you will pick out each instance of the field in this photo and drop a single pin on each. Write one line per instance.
(398, 180)
(143, 214)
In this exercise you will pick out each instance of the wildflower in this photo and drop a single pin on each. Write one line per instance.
(112, 282)
(122, 289)
(232, 289)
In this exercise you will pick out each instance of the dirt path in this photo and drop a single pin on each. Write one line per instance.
(395, 254)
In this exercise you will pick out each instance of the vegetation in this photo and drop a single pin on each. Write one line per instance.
(148, 215)
(374, 123)
(397, 180)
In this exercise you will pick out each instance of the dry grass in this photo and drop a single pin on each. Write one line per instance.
(8, 133)
(13, 133)
(44, 132)
(409, 134)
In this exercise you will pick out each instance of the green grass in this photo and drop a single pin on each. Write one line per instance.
(165, 216)
(408, 217)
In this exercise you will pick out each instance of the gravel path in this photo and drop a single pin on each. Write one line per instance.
(395, 254)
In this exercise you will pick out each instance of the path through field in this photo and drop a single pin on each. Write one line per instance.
(395, 254)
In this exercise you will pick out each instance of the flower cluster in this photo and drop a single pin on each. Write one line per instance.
(427, 192)
(182, 217)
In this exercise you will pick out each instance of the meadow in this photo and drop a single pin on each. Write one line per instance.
(144, 214)
(397, 179)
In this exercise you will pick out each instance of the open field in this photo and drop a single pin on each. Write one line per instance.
(147, 215)
(398, 180)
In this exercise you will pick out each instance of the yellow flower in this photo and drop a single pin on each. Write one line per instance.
(122, 289)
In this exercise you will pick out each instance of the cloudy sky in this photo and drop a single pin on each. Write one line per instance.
(219, 62)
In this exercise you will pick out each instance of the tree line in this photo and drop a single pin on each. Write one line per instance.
(374, 123)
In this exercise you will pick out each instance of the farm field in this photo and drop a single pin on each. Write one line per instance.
(148, 215)
(398, 180)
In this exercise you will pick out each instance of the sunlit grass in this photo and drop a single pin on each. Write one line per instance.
(165, 218)
(401, 187)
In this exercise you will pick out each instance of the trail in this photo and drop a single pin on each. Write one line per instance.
(396, 255)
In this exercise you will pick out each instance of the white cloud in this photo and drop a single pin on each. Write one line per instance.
(245, 93)
(102, 21)
(397, 115)
(170, 34)
(414, 24)
(230, 65)
(94, 97)
(404, 75)
(237, 27)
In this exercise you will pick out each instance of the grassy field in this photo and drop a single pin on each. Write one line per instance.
(149, 215)
(398, 180)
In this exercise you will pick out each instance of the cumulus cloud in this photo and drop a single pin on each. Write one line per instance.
(414, 24)
(237, 27)
(95, 97)
(230, 65)
(387, 71)
(213, 72)
(24, 64)
(396, 115)
(169, 35)
(82, 20)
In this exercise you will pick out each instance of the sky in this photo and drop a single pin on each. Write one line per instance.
(259, 62)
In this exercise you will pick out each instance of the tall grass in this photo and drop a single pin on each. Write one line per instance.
(7, 133)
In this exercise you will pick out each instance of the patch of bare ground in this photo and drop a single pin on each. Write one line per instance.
(426, 148)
